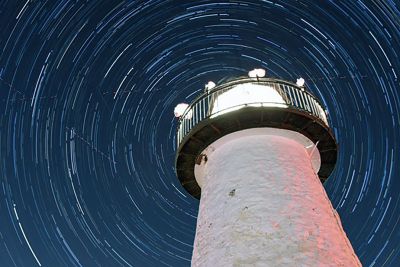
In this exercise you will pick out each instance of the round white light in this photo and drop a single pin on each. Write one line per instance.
(257, 73)
(300, 82)
(180, 109)
(210, 85)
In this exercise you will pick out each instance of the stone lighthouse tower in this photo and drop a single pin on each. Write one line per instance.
(256, 151)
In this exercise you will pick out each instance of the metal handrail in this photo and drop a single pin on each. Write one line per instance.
(294, 97)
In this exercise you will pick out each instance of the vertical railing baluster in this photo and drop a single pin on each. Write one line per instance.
(191, 120)
(313, 106)
(209, 104)
(201, 109)
(289, 95)
(306, 102)
(294, 97)
(310, 103)
(293, 94)
(319, 108)
(180, 134)
(300, 103)
(285, 93)
(195, 115)
(300, 99)
(203, 101)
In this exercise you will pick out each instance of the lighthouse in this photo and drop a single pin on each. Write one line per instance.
(256, 152)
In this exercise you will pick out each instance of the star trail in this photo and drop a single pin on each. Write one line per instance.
(87, 130)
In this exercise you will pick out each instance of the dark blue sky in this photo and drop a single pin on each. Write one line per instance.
(87, 132)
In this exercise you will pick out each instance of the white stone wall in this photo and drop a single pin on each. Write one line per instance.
(262, 204)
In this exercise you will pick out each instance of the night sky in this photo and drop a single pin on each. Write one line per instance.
(87, 131)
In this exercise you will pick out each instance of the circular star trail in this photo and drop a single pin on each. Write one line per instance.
(87, 131)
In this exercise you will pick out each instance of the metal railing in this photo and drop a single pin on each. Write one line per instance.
(203, 106)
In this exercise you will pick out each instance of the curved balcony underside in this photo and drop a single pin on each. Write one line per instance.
(210, 129)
